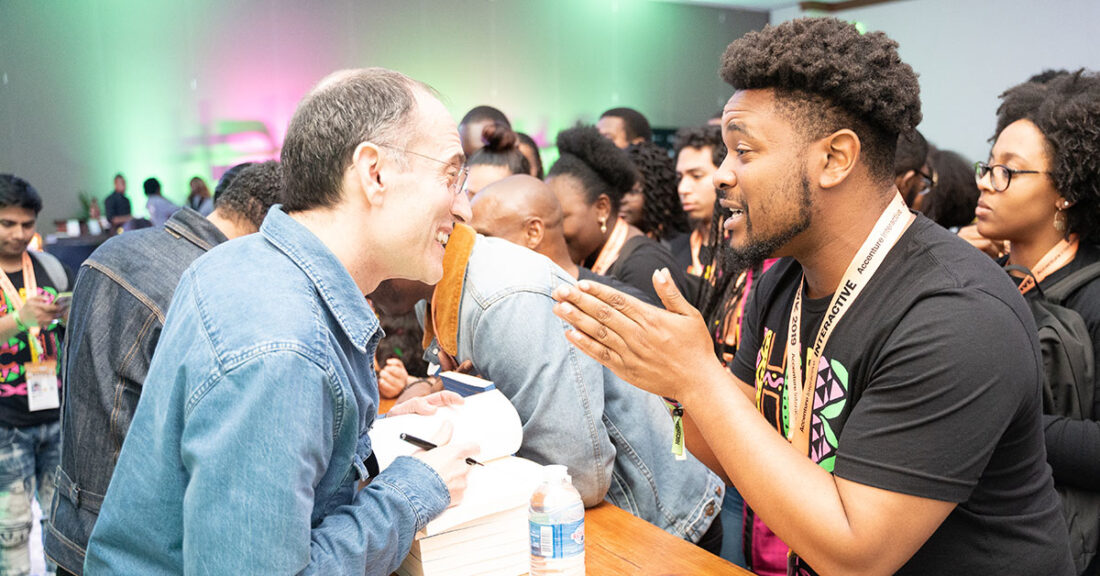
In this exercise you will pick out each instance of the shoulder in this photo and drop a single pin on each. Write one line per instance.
(497, 268)
(248, 296)
(931, 261)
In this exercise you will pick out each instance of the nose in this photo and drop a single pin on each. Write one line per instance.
(460, 207)
(684, 187)
(985, 182)
(724, 177)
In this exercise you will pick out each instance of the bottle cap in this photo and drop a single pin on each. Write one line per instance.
(555, 473)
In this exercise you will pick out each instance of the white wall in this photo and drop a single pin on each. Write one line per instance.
(969, 51)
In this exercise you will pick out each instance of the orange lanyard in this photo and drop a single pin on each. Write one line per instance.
(610, 252)
(799, 389)
(696, 241)
(1061, 254)
(30, 288)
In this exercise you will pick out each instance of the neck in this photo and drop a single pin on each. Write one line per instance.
(1027, 252)
(827, 248)
(232, 226)
(341, 230)
(554, 247)
(12, 263)
(703, 228)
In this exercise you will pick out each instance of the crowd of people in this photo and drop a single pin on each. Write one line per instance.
(805, 271)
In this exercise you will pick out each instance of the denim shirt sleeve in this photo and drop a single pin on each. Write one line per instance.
(520, 345)
(256, 444)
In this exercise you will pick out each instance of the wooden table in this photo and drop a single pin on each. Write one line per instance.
(617, 542)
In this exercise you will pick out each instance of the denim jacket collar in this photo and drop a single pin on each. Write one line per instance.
(333, 282)
(195, 228)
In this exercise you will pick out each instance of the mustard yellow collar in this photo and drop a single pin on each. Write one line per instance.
(441, 322)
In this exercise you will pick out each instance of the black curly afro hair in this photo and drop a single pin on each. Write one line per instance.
(594, 160)
(701, 137)
(1066, 109)
(662, 213)
(827, 76)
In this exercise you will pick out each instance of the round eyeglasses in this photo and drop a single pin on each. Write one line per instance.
(1000, 176)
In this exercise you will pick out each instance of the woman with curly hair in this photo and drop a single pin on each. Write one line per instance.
(499, 158)
(652, 205)
(590, 179)
(1040, 193)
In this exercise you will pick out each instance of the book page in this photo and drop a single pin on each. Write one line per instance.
(487, 419)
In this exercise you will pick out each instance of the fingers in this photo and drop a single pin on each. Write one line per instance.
(467, 367)
(444, 398)
(595, 350)
(668, 292)
(391, 361)
(593, 317)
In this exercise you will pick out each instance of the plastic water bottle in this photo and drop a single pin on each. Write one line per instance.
(556, 519)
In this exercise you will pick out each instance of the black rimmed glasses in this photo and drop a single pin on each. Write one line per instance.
(458, 185)
(929, 180)
(1000, 176)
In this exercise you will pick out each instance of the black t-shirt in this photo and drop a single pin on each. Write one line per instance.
(16, 352)
(929, 386)
(639, 257)
(116, 204)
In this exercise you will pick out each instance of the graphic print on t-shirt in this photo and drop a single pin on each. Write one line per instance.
(15, 352)
(830, 398)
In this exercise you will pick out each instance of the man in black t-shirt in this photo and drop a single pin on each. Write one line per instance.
(30, 333)
(117, 206)
(883, 350)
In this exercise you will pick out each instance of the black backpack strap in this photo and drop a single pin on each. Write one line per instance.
(1026, 272)
(1068, 285)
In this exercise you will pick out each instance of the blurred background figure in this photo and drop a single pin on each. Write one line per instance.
(200, 199)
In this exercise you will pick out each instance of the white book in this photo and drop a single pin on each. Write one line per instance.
(486, 533)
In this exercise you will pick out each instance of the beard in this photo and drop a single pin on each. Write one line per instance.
(755, 250)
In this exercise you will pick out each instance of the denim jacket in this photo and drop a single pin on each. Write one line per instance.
(616, 439)
(119, 302)
(248, 444)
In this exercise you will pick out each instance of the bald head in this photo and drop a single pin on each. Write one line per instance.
(508, 208)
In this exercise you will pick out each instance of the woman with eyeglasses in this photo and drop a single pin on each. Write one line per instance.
(1040, 194)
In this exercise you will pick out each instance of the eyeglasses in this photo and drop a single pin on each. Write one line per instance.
(457, 186)
(1000, 175)
(929, 181)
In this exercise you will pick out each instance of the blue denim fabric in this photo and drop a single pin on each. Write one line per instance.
(28, 458)
(733, 529)
(616, 439)
(119, 302)
(248, 442)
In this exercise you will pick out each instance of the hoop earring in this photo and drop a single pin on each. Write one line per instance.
(1060, 220)
(603, 225)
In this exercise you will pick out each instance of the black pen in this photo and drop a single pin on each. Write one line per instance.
(424, 444)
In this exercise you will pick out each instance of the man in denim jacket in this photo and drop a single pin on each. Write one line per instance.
(119, 302)
(249, 444)
(493, 308)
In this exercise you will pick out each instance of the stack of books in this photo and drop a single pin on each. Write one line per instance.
(487, 533)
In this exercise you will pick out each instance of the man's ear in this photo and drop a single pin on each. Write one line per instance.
(367, 162)
(533, 231)
(839, 153)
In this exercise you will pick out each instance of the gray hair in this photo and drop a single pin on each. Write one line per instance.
(345, 109)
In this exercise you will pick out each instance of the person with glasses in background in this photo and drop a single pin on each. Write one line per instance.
(249, 450)
(1040, 195)
(912, 174)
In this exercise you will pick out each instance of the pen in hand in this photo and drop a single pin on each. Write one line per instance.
(425, 445)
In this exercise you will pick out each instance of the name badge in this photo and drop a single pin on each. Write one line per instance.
(42, 390)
